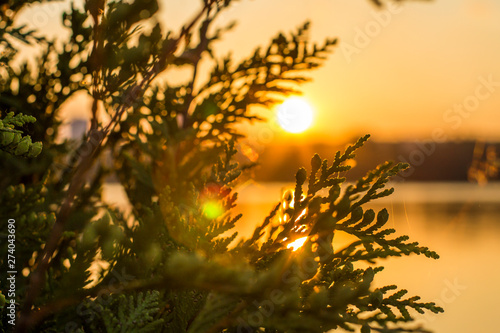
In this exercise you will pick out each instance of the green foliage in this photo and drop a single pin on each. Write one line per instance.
(135, 313)
(216, 308)
(34, 224)
(173, 261)
(12, 140)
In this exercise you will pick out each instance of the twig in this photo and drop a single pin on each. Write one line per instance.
(37, 279)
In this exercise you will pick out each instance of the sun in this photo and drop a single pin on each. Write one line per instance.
(295, 115)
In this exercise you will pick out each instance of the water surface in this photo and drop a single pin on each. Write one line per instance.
(460, 221)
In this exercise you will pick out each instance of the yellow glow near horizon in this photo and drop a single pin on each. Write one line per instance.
(295, 115)
(295, 245)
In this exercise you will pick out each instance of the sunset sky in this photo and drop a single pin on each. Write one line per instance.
(398, 77)
(403, 72)
(421, 70)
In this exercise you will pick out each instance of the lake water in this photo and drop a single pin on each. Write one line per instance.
(460, 221)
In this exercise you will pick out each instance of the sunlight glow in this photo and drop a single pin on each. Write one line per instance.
(295, 245)
(295, 115)
(304, 212)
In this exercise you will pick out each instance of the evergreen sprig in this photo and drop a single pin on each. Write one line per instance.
(12, 140)
(127, 314)
(332, 282)
(172, 261)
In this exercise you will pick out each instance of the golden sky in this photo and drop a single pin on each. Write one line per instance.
(408, 71)
(403, 72)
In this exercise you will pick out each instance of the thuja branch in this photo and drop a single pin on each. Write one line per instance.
(37, 278)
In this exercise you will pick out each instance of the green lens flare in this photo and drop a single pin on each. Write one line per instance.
(212, 209)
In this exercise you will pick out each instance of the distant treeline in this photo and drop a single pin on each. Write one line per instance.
(430, 161)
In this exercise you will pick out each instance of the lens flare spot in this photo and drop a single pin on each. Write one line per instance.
(295, 245)
(212, 209)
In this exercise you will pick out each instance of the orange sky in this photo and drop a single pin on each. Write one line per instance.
(403, 72)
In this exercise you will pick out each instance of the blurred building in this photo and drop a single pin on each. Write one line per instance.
(78, 127)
